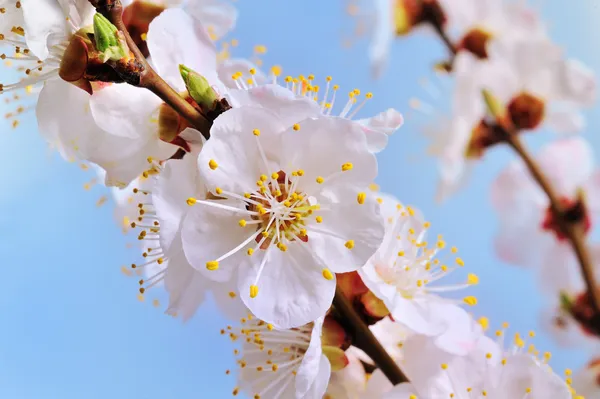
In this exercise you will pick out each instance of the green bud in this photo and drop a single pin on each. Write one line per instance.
(198, 87)
(108, 39)
(493, 105)
(565, 302)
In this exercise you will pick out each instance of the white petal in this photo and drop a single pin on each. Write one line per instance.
(292, 291)
(322, 146)
(378, 127)
(344, 219)
(319, 386)
(174, 38)
(522, 372)
(383, 34)
(566, 121)
(234, 148)
(126, 111)
(178, 181)
(186, 286)
(421, 315)
(403, 391)
(43, 19)
(309, 369)
(578, 82)
(231, 66)
(217, 16)
(228, 301)
(288, 107)
(208, 233)
(569, 164)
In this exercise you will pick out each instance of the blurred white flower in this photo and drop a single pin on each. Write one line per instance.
(528, 234)
(488, 371)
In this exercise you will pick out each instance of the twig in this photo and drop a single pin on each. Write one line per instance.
(149, 79)
(363, 338)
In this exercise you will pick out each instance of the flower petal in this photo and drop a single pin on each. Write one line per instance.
(292, 291)
(383, 35)
(378, 127)
(43, 20)
(309, 368)
(174, 38)
(125, 111)
(349, 233)
(229, 67)
(219, 17)
(322, 146)
(234, 148)
(208, 233)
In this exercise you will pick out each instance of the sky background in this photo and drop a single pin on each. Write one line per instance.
(70, 323)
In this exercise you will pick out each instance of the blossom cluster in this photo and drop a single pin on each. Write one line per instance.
(505, 49)
(256, 189)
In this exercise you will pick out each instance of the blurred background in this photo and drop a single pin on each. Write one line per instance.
(71, 325)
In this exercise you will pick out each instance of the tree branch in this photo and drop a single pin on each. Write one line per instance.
(363, 338)
(149, 79)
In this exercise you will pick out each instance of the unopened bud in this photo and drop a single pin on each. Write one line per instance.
(198, 87)
(493, 104)
(109, 41)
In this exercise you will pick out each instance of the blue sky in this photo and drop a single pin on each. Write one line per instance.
(71, 324)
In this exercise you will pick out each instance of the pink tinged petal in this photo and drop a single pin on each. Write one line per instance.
(376, 281)
(349, 233)
(519, 241)
(403, 391)
(523, 371)
(233, 148)
(218, 17)
(462, 333)
(421, 315)
(187, 287)
(566, 121)
(229, 67)
(560, 271)
(126, 111)
(349, 382)
(383, 34)
(288, 107)
(319, 386)
(309, 368)
(569, 164)
(43, 20)
(228, 301)
(208, 233)
(178, 181)
(578, 82)
(174, 38)
(379, 127)
(291, 288)
(321, 146)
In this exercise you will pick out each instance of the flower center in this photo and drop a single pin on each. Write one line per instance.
(575, 212)
(280, 210)
(475, 41)
(526, 111)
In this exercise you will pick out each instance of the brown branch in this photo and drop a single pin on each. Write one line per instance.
(574, 231)
(363, 338)
(148, 78)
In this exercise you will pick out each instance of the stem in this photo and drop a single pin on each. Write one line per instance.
(149, 79)
(573, 231)
(364, 339)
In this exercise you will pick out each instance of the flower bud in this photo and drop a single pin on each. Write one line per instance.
(198, 87)
(493, 104)
(109, 41)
